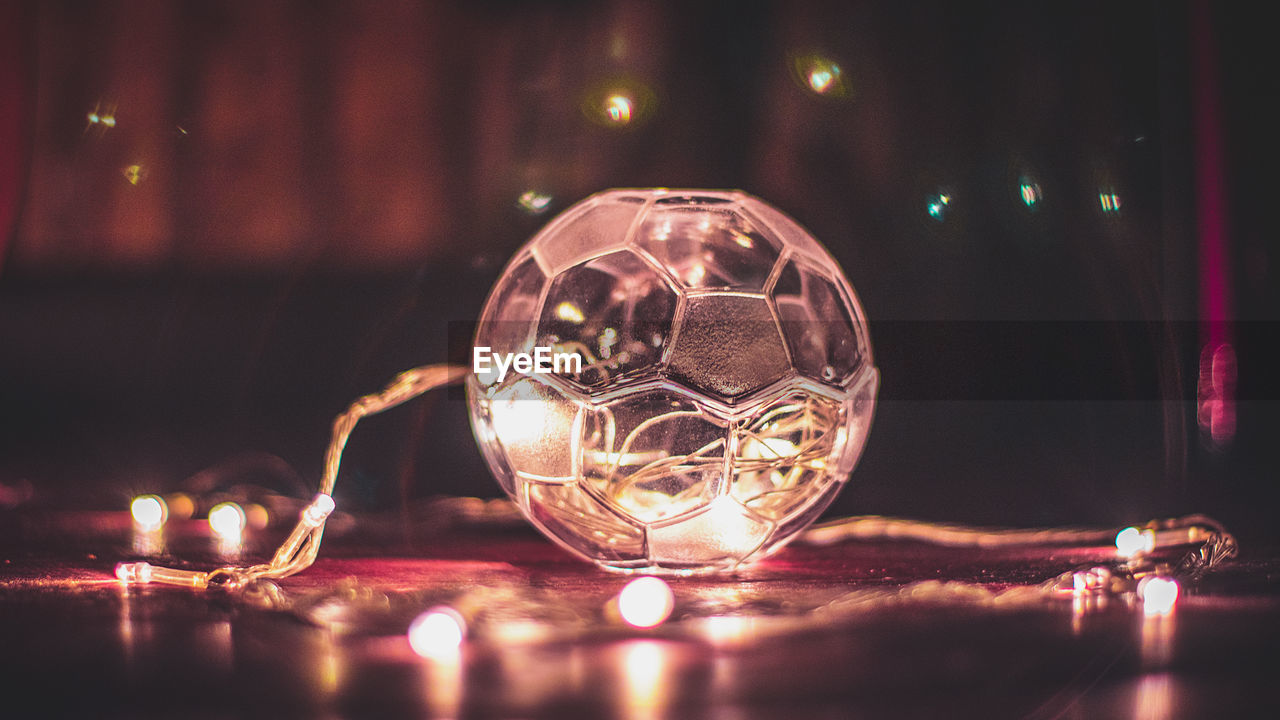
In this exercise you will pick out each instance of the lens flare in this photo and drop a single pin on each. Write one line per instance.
(1029, 190)
(820, 75)
(936, 206)
(534, 202)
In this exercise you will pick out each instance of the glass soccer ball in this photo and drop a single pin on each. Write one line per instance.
(697, 380)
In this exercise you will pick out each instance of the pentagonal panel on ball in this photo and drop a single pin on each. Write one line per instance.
(572, 516)
(506, 324)
(535, 426)
(654, 455)
(818, 324)
(615, 313)
(586, 232)
(721, 535)
(707, 245)
(728, 345)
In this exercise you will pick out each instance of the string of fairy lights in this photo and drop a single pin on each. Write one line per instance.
(1149, 565)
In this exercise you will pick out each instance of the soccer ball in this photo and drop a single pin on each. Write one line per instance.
(672, 381)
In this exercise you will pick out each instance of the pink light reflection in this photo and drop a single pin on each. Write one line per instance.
(1215, 393)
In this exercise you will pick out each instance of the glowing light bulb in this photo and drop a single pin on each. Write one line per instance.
(149, 512)
(1158, 595)
(227, 520)
(318, 510)
(438, 632)
(130, 573)
(1131, 542)
(646, 602)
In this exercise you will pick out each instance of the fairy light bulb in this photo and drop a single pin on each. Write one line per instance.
(227, 520)
(1131, 542)
(672, 381)
(645, 602)
(1158, 595)
(437, 632)
(149, 512)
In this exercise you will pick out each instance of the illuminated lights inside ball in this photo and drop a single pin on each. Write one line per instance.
(672, 381)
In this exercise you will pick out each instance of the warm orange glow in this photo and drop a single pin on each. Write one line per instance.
(644, 668)
(437, 633)
(256, 516)
(227, 520)
(569, 312)
(129, 573)
(181, 506)
(149, 512)
(646, 602)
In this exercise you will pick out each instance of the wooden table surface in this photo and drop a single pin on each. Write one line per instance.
(854, 630)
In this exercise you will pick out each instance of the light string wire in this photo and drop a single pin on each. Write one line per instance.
(1205, 541)
(299, 549)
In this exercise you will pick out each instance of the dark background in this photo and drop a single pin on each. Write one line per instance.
(322, 188)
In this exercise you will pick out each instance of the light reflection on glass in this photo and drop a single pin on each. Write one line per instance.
(1109, 201)
(728, 629)
(569, 312)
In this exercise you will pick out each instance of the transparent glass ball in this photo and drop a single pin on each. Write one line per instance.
(699, 381)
